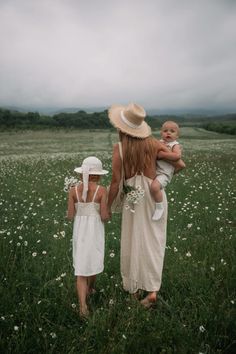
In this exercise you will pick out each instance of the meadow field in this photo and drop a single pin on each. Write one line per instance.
(195, 312)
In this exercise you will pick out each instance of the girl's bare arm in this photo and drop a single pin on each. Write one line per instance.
(71, 205)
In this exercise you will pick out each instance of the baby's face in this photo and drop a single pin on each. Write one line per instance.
(169, 132)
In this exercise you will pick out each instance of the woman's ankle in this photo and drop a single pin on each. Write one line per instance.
(152, 296)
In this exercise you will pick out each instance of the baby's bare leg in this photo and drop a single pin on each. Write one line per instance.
(156, 191)
(158, 197)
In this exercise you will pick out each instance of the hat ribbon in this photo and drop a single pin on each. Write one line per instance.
(85, 182)
(127, 122)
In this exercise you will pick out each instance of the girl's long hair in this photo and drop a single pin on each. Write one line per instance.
(138, 154)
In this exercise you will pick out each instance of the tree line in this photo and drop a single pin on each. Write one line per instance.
(224, 128)
(33, 120)
(10, 119)
(81, 119)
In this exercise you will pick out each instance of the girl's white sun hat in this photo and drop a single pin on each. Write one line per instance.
(90, 166)
(93, 165)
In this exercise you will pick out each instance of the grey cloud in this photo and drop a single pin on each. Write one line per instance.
(163, 54)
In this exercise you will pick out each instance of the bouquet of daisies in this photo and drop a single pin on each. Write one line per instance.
(70, 182)
(133, 196)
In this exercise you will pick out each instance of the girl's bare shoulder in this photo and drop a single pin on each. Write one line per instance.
(73, 189)
(102, 190)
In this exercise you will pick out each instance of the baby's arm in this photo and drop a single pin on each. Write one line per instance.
(103, 206)
(71, 205)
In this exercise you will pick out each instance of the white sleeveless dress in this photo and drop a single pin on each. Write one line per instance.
(88, 238)
(143, 240)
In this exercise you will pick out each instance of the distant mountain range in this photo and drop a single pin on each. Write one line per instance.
(53, 110)
(192, 112)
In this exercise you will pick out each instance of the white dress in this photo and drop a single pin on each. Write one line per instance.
(88, 238)
(143, 240)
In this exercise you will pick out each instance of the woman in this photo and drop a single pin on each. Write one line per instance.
(143, 240)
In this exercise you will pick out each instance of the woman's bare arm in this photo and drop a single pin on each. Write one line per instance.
(116, 176)
(103, 205)
(173, 155)
(176, 153)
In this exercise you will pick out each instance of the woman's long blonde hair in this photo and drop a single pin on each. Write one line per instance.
(138, 154)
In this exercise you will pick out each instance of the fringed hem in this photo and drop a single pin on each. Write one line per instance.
(132, 286)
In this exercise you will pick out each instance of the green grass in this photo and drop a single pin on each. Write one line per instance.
(38, 310)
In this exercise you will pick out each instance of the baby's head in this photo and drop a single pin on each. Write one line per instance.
(169, 131)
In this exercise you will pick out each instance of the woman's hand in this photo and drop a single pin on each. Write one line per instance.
(178, 165)
(173, 155)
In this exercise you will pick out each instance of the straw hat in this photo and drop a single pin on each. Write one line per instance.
(130, 120)
(91, 165)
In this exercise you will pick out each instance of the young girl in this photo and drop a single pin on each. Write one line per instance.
(87, 205)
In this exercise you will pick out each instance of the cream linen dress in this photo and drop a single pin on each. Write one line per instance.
(143, 241)
(88, 238)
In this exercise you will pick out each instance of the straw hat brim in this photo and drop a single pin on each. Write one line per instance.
(101, 172)
(114, 114)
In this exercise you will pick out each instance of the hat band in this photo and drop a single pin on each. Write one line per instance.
(91, 168)
(127, 122)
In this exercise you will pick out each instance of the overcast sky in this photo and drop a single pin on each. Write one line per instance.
(163, 54)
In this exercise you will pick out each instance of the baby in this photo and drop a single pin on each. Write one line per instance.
(166, 165)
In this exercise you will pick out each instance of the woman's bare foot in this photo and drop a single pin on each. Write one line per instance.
(149, 300)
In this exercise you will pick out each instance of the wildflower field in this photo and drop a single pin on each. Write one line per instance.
(195, 312)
